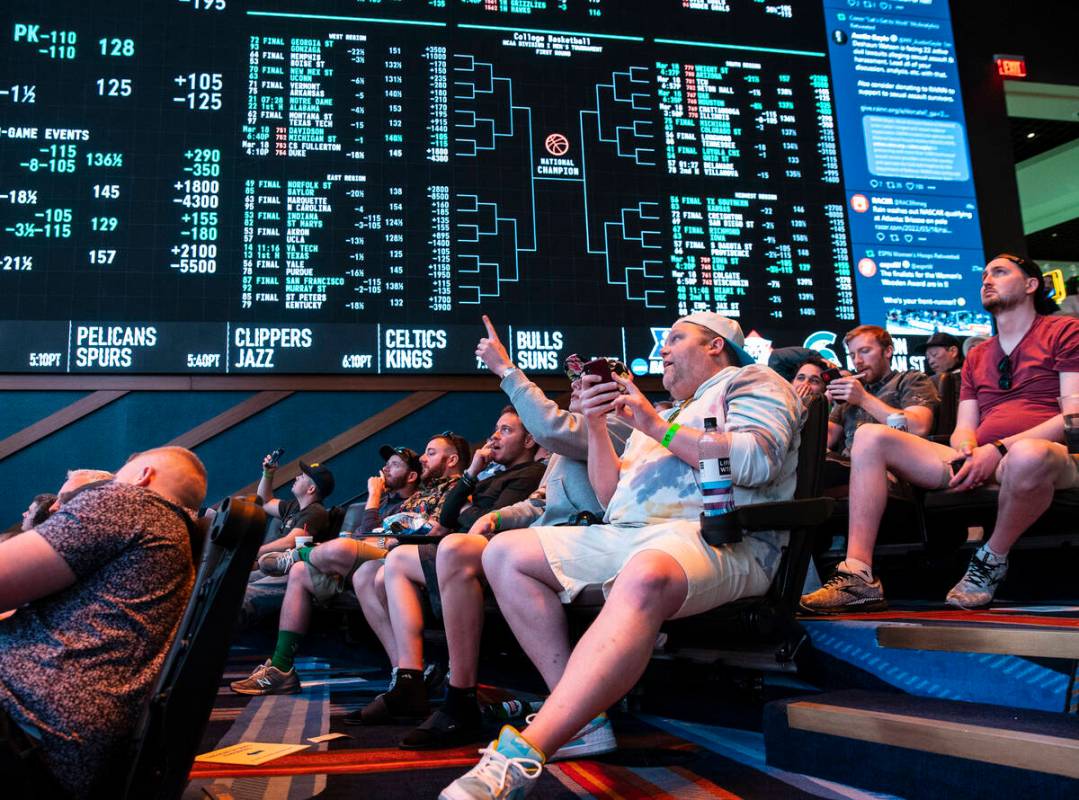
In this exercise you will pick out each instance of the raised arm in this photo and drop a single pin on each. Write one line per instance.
(558, 430)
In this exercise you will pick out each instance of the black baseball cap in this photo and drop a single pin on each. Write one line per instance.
(406, 454)
(1043, 303)
(938, 339)
(321, 477)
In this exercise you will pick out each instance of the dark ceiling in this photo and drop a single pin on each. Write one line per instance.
(1031, 137)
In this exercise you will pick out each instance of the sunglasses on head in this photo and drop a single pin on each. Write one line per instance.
(574, 367)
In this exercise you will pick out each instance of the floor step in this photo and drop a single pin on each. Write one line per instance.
(1028, 642)
(1018, 660)
(924, 747)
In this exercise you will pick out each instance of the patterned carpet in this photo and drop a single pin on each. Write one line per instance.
(658, 757)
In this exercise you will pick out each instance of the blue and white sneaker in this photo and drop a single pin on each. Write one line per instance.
(594, 739)
(508, 770)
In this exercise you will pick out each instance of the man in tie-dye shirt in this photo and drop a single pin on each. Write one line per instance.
(648, 555)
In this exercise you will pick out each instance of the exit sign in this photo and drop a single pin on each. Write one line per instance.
(1011, 66)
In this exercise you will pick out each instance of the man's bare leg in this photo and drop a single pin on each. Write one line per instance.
(459, 570)
(528, 596)
(370, 588)
(296, 607)
(614, 651)
(878, 450)
(403, 577)
(339, 556)
(1028, 476)
(407, 697)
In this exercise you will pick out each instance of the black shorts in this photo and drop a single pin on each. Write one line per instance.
(427, 553)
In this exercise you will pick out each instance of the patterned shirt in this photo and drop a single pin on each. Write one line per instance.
(76, 666)
(427, 500)
(430, 498)
(897, 389)
(764, 417)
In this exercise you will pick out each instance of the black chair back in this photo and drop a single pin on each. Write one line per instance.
(812, 448)
(167, 737)
(948, 387)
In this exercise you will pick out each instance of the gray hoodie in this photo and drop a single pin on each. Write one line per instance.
(565, 489)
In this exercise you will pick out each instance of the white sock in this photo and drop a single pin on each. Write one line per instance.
(855, 567)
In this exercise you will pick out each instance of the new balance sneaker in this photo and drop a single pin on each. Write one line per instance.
(595, 738)
(984, 574)
(508, 770)
(845, 592)
(278, 563)
(268, 679)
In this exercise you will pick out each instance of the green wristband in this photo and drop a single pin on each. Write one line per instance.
(669, 435)
(498, 520)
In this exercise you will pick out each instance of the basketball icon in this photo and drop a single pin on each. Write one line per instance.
(556, 144)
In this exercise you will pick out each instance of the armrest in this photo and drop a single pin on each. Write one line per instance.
(785, 514)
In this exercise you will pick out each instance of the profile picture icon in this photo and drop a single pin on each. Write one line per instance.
(867, 267)
(839, 36)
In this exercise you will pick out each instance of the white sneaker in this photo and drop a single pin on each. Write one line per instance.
(595, 738)
(508, 770)
(278, 563)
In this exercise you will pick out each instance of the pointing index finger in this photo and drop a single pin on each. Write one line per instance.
(491, 333)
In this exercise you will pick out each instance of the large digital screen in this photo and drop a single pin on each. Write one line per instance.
(345, 186)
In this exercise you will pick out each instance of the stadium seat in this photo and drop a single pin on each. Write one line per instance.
(172, 723)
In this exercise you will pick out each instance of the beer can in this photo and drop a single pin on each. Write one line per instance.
(897, 421)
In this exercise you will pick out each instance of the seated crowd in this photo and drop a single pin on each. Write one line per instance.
(602, 493)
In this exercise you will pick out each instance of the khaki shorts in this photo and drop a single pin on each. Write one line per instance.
(326, 586)
(595, 555)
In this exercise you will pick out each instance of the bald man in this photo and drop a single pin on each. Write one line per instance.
(100, 587)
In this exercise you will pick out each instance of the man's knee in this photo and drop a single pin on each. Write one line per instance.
(299, 577)
(876, 440)
(652, 581)
(365, 575)
(459, 555)
(1031, 463)
(503, 554)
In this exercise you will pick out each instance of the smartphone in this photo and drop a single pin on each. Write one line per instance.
(830, 375)
(275, 456)
(603, 367)
(957, 464)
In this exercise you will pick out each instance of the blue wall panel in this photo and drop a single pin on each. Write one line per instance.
(103, 439)
(21, 409)
(298, 423)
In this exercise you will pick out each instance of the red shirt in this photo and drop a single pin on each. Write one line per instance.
(1050, 347)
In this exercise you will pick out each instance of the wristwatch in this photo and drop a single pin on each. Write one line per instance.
(381, 542)
(999, 445)
(507, 371)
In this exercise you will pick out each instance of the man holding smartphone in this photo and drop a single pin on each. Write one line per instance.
(1008, 432)
(648, 555)
(877, 391)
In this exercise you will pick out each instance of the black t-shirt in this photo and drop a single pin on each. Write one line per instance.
(314, 517)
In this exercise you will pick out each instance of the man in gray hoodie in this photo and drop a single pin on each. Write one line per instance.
(564, 492)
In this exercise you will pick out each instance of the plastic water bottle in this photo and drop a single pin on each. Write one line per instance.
(514, 708)
(719, 523)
